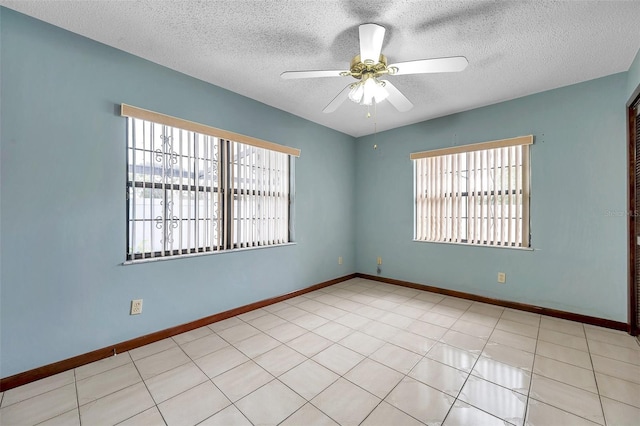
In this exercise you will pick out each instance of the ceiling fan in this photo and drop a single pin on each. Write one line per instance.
(370, 65)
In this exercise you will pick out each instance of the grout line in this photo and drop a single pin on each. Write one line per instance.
(593, 369)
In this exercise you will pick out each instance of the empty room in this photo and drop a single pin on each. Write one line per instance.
(332, 212)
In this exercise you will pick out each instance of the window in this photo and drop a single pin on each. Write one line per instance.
(474, 194)
(191, 189)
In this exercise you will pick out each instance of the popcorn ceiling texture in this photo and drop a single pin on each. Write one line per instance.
(514, 48)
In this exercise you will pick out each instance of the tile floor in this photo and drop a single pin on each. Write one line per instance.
(358, 352)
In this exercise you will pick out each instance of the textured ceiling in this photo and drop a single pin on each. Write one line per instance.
(514, 48)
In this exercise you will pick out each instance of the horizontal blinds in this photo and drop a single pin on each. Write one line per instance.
(143, 114)
(503, 143)
(477, 197)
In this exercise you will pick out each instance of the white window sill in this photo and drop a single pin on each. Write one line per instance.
(476, 245)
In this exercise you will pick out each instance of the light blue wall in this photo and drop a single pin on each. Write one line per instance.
(578, 175)
(633, 79)
(64, 290)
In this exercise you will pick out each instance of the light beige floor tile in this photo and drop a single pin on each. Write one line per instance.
(620, 414)
(345, 402)
(38, 387)
(564, 354)
(447, 310)
(505, 375)
(539, 413)
(257, 345)
(472, 329)
(280, 360)
(371, 312)
(454, 357)
(311, 305)
(438, 319)
(188, 336)
(310, 321)
(338, 358)
(242, 380)
(194, 405)
(565, 373)
(70, 418)
(410, 311)
(374, 377)
(152, 348)
(291, 313)
(430, 297)
(362, 343)
(238, 332)
(150, 417)
(103, 365)
(508, 355)
(514, 340)
(619, 353)
(117, 406)
(456, 302)
(563, 339)
(309, 379)
(379, 330)
(612, 337)
(353, 321)
(463, 341)
(286, 332)
(619, 369)
(496, 400)
(170, 383)
(463, 414)
(331, 313)
(309, 344)
(204, 346)
(522, 317)
(41, 407)
(486, 309)
(230, 322)
(229, 416)
(562, 326)
(103, 384)
(267, 322)
(387, 414)
(270, 404)
(517, 328)
(161, 362)
(308, 415)
(396, 357)
(478, 318)
(395, 320)
(386, 305)
(333, 331)
(440, 376)
(566, 397)
(618, 389)
(426, 329)
(412, 342)
(256, 313)
(220, 361)
(420, 401)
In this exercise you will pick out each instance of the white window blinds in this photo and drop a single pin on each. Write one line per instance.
(196, 191)
(474, 194)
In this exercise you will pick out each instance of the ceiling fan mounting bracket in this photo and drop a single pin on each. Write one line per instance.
(359, 69)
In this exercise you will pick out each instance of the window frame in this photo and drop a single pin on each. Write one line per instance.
(455, 193)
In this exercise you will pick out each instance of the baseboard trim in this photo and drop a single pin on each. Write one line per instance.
(601, 322)
(79, 360)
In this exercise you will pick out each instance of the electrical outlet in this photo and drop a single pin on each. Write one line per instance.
(502, 277)
(379, 260)
(340, 260)
(136, 307)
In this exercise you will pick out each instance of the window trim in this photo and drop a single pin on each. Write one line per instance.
(520, 141)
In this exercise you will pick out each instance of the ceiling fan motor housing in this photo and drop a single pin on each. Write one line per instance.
(363, 70)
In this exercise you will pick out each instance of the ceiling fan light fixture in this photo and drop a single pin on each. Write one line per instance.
(368, 91)
(357, 91)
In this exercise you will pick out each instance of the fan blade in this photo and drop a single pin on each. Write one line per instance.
(371, 37)
(453, 64)
(396, 98)
(290, 75)
(338, 100)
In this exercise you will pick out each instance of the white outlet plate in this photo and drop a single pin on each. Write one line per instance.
(502, 277)
(379, 261)
(136, 307)
(340, 260)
